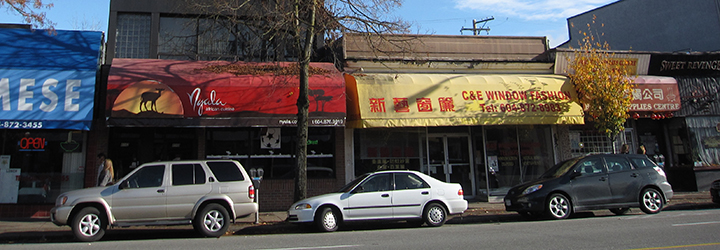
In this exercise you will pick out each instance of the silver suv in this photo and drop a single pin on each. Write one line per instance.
(210, 194)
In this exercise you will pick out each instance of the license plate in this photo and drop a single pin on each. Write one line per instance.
(508, 203)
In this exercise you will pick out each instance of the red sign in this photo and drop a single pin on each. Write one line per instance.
(150, 88)
(32, 144)
(653, 93)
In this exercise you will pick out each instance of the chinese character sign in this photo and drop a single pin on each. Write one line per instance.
(441, 100)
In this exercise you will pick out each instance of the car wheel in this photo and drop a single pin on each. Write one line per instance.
(651, 201)
(88, 225)
(559, 207)
(620, 211)
(212, 221)
(435, 215)
(327, 220)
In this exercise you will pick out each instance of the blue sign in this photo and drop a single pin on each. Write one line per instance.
(47, 81)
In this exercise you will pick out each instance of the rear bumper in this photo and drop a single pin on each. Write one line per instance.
(457, 206)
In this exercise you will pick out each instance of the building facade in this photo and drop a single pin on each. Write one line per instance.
(486, 112)
(47, 87)
(173, 93)
(651, 25)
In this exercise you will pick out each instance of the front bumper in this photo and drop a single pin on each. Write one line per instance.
(59, 215)
(301, 215)
(529, 203)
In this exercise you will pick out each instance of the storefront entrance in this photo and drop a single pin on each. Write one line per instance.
(447, 157)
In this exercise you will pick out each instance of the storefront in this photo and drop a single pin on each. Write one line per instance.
(694, 131)
(487, 132)
(47, 89)
(166, 109)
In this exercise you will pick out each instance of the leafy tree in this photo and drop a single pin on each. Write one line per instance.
(31, 11)
(301, 26)
(602, 83)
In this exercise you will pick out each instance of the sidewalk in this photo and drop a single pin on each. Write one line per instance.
(11, 228)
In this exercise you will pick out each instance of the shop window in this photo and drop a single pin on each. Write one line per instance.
(39, 165)
(273, 149)
(380, 149)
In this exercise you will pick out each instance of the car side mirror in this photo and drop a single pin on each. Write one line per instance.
(575, 174)
(124, 185)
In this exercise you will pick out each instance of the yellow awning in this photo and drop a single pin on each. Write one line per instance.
(426, 100)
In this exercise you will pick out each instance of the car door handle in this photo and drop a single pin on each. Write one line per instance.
(385, 195)
(161, 191)
(425, 193)
(603, 179)
(634, 175)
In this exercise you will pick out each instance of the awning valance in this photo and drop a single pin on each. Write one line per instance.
(160, 93)
(655, 94)
(425, 100)
(47, 80)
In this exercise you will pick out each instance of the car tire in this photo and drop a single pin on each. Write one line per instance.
(88, 224)
(212, 220)
(558, 207)
(327, 220)
(620, 211)
(434, 215)
(651, 201)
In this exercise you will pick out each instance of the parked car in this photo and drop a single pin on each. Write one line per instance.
(715, 191)
(210, 194)
(604, 181)
(385, 195)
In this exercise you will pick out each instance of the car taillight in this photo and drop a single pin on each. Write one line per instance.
(251, 192)
(461, 192)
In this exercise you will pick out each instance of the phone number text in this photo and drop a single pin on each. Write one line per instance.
(17, 124)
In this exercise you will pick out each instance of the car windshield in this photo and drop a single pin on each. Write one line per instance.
(348, 187)
(559, 169)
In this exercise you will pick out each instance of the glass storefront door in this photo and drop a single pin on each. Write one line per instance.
(447, 158)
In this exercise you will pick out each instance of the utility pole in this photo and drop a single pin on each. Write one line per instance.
(475, 29)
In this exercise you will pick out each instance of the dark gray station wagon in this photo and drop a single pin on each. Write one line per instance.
(604, 181)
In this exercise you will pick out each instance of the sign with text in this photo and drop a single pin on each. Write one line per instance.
(390, 100)
(655, 93)
(150, 88)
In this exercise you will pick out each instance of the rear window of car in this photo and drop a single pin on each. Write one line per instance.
(187, 174)
(226, 171)
(642, 162)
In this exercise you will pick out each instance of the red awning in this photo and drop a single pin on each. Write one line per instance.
(151, 93)
(655, 94)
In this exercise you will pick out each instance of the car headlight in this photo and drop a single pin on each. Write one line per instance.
(302, 206)
(532, 189)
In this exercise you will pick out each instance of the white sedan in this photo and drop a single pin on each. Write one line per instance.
(392, 195)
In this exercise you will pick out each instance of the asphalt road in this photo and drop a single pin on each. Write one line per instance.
(677, 229)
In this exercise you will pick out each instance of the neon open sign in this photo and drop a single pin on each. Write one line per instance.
(32, 144)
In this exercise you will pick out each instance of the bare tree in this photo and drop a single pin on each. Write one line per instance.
(31, 11)
(293, 30)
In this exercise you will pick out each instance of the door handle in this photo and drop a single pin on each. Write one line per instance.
(634, 175)
(425, 193)
(161, 191)
(603, 178)
(385, 195)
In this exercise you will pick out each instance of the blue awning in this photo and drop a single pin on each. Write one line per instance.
(47, 80)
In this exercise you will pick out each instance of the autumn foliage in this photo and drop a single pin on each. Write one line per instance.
(31, 12)
(602, 83)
